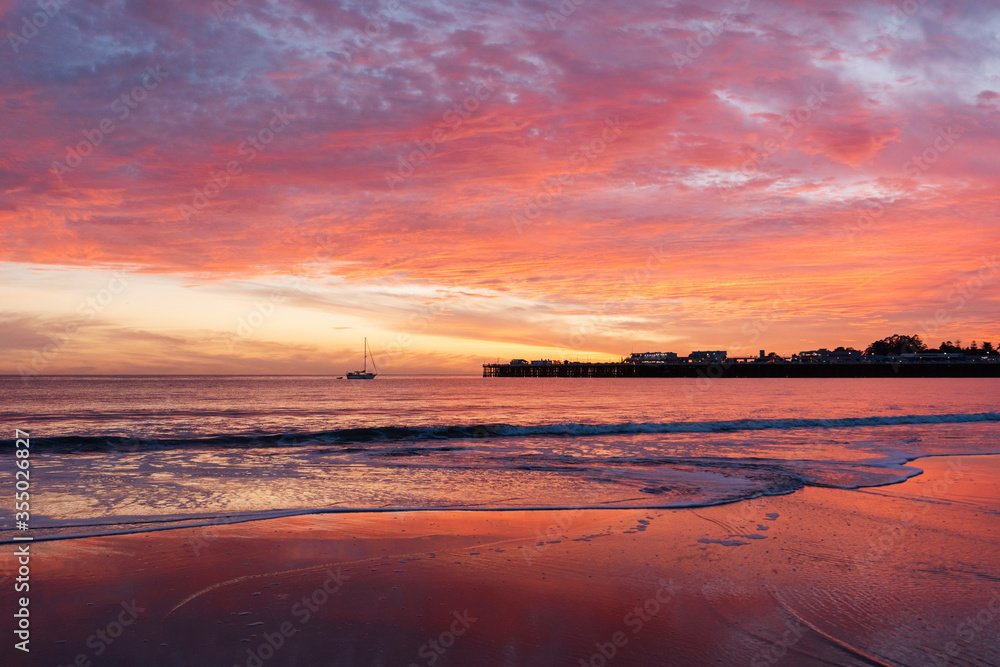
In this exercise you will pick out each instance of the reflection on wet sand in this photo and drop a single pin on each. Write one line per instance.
(895, 575)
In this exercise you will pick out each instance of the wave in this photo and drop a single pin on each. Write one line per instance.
(383, 434)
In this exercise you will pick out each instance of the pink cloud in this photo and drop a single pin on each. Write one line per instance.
(350, 165)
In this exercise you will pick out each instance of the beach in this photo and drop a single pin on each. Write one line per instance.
(904, 574)
(416, 334)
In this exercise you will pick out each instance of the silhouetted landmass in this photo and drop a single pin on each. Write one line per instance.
(898, 355)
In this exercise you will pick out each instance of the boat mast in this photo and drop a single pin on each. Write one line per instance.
(366, 354)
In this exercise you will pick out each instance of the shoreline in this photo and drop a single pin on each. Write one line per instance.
(731, 369)
(884, 574)
(155, 526)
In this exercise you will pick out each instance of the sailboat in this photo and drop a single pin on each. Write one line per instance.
(364, 375)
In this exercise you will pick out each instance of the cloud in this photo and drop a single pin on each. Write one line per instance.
(410, 152)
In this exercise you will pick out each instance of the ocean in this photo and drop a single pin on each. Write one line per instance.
(133, 454)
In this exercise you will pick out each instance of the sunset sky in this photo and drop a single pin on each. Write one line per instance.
(253, 187)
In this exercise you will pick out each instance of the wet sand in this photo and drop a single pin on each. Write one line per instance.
(907, 574)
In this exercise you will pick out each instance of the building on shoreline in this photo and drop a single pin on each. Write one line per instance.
(717, 364)
(823, 354)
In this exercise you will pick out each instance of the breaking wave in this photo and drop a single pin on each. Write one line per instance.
(382, 434)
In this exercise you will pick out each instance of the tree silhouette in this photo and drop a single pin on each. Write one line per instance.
(897, 344)
(949, 347)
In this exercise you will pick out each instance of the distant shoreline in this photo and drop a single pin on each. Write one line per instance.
(769, 369)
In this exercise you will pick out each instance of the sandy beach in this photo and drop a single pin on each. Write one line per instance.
(523, 334)
(898, 575)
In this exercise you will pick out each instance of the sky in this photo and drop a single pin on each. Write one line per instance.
(256, 187)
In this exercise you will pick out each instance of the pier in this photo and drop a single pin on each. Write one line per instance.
(745, 367)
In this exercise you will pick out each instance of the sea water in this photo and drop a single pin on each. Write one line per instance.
(123, 454)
